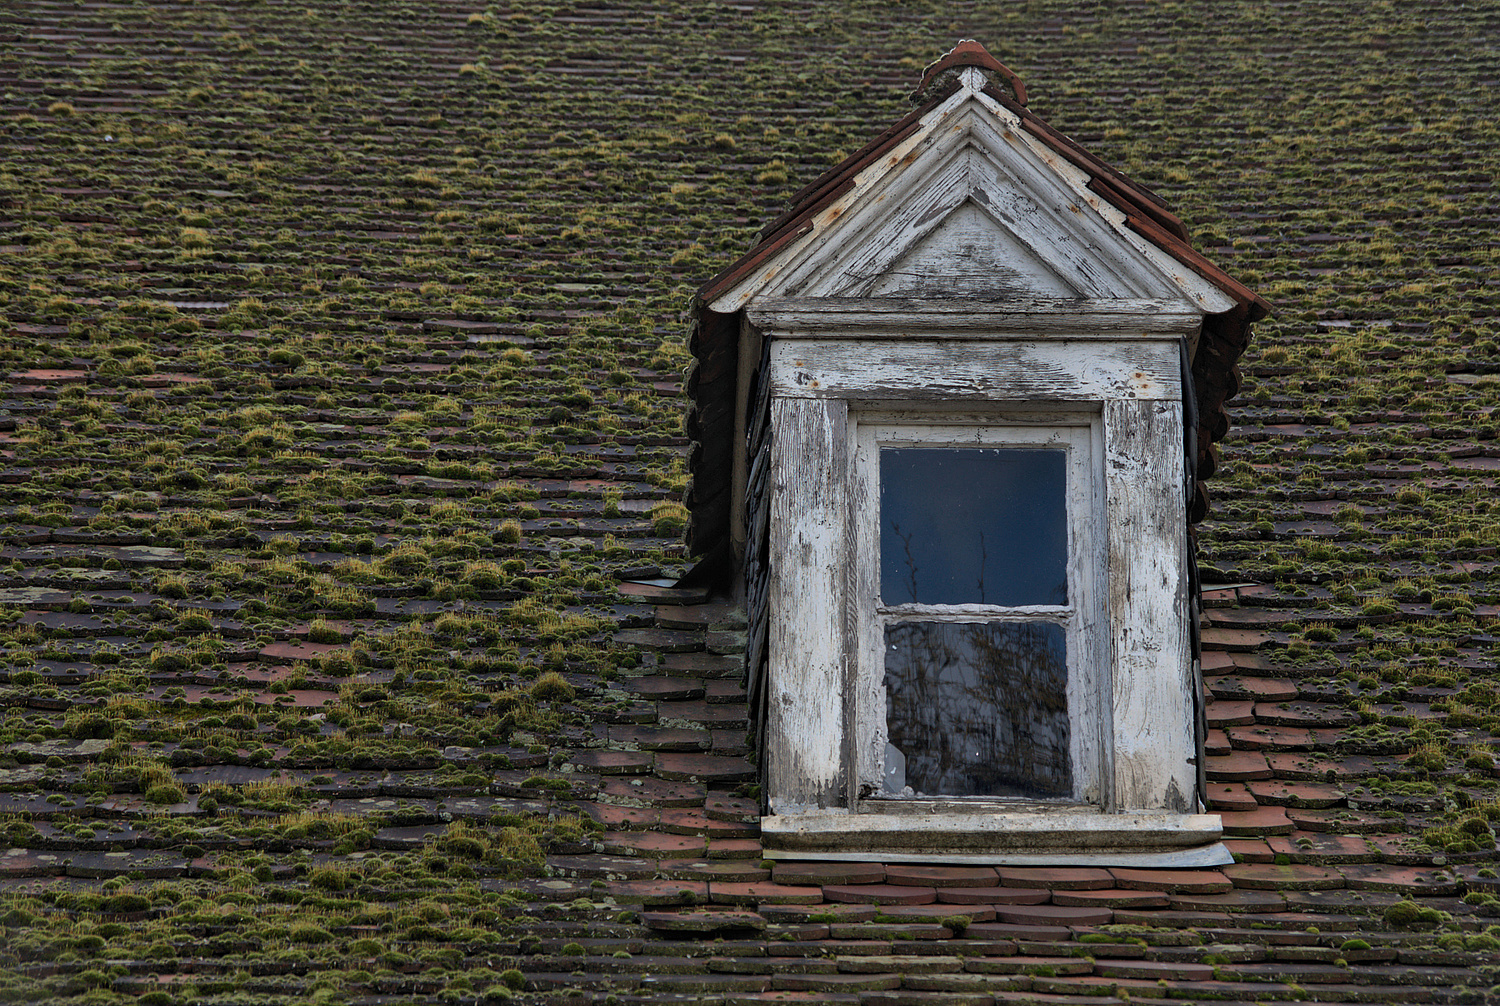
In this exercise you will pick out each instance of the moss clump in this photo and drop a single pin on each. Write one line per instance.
(118, 904)
(553, 687)
(957, 923)
(17, 918)
(309, 933)
(1407, 914)
(330, 878)
(463, 842)
(91, 726)
(165, 793)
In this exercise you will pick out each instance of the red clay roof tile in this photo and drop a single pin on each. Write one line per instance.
(880, 894)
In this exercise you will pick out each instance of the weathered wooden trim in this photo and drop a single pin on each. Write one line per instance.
(1154, 752)
(974, 152)
(748, 361)
(990, 830)
(890, 173)
(1002, 371)
(1094, 703)
(1155, 266)
(1186, 858)
(1080, 618)
(1097, 704)
(856, 584)
(866, 706)
(913, 205)
(977, 156)
(810, 476)
(1030, 318)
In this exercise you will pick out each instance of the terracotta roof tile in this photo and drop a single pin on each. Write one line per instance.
(1195, 881)
(1261, 821)
(1054, 914)
(941, 876)
(1056, 878)
(880, 894)
(829, 873)
(1110, 898)
(992, 896)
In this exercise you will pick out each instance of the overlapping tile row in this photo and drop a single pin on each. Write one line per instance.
(1305, 913)
(341, 356)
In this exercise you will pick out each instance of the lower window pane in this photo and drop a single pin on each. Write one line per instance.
(977, 709)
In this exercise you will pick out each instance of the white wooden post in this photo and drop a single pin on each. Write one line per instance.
(1153, 699)
(810, 477)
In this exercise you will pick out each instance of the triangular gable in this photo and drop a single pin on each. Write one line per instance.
(969, 254)
(967, 181)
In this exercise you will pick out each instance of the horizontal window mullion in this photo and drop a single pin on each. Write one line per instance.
(968, 612)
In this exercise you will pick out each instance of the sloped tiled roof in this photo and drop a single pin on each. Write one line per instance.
(342, 361)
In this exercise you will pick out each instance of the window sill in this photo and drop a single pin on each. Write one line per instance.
(1042, 837)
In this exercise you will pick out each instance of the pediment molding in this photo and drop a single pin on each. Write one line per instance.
(971, 206)
(977, 318)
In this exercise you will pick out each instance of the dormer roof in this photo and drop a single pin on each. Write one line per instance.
(973, 158)
(972, 207)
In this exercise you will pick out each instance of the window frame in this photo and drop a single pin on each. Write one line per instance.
(1079, 434)
(821, 367)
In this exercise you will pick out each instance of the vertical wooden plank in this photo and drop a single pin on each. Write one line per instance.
(865, 708)
(1088, 675)
(1152, 690)
(748, 360)
(810, 476)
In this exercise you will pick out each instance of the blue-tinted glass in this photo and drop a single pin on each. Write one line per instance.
(977, 709)
(973, 525)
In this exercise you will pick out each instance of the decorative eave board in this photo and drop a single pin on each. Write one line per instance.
(968, 204)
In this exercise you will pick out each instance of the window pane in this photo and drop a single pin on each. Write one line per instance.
(974, 525)
(977, 709)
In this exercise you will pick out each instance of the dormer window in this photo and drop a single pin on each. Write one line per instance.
(948, 419)
(976, 562)
(1054, 674)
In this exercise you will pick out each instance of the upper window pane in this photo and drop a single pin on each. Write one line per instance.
(973, 525)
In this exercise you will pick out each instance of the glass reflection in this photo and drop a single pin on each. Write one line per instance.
(977, 525)
(977, 709)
